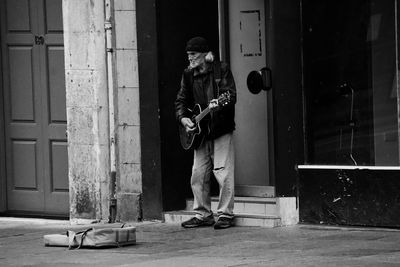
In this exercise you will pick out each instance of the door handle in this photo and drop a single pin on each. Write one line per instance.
(39, 39)
(259, 80)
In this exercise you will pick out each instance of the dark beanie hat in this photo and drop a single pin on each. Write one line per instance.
(197, 44)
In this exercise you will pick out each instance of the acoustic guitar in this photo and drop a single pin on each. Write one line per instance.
(194, 138)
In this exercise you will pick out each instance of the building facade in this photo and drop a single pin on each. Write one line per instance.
(87, 128)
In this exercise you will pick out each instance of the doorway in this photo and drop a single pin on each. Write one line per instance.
(175, 26)
(247, 52)
(34, 107)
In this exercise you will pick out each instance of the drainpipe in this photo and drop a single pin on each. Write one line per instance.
(108, 26)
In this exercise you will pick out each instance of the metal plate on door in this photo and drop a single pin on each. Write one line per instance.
(39, 40)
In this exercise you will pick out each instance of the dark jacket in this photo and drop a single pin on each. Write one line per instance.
(200, 88)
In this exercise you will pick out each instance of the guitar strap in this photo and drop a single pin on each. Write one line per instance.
(217, 78)
(217, 73)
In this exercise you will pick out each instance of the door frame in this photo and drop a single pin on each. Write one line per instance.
(224, 49)
(3, 185)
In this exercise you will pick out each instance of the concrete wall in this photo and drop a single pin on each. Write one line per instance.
(88, 114)
(87, 108)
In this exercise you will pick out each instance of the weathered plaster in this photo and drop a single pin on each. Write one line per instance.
(87, 109)
(88, 114)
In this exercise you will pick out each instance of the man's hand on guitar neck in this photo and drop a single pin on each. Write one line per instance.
(213, 104)
(188, 124)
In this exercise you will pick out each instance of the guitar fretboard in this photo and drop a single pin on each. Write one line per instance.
(221, 99)
(202, 114)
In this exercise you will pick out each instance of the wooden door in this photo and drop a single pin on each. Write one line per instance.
(34, 106)
(247, 44)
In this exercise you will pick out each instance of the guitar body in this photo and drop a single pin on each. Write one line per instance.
(193, 139)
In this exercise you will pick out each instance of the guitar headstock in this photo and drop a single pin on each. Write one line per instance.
(224, 99)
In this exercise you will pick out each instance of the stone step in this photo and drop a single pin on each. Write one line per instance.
(246, 205)
(240, 219)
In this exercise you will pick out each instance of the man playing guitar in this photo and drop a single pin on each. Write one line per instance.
(215, 153)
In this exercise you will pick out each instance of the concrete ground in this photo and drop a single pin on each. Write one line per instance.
(159, 244)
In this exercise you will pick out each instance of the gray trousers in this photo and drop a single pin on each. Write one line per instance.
(215, 156)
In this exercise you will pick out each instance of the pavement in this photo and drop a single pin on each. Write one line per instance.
(159, 244)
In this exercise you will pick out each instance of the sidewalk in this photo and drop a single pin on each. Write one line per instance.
(159, 244)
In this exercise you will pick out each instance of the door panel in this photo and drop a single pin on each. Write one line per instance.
(57, 100)
(23, 152)
(58, 157)
(18, 9)
(35, 110)
(53, 15)
(247, 53)
(57, 189)
(21, 90)
(24, 183)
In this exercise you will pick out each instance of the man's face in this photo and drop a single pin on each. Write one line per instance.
(195, 58)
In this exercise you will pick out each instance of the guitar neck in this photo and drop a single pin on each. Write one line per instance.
(222, 98)
(202, 114)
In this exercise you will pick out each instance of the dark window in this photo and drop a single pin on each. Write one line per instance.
(351, 82)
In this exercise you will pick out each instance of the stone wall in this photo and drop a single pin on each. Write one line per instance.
(129, 178)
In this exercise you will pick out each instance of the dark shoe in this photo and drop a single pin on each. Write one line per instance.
(223, 222)
(196, 222)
